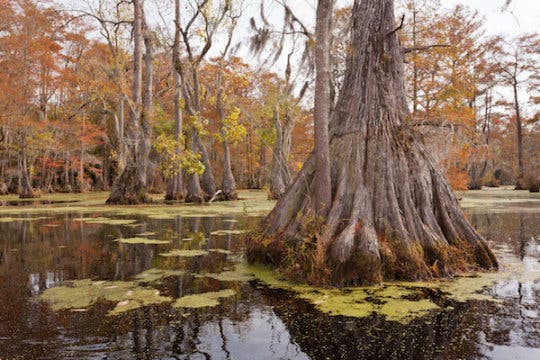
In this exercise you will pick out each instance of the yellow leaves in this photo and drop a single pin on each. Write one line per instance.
(199, 124)
(191, 163)
(41, 140)
(234, 131)
(175, 159)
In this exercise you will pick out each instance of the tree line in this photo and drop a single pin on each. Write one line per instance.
(123, 97)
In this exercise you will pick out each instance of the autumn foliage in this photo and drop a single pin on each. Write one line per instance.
(65, 79)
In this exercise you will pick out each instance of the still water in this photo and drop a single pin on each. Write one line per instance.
(44, 251)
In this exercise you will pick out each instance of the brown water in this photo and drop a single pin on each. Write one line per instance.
(257, 323)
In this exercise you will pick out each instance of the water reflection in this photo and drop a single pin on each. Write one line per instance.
(258, 323)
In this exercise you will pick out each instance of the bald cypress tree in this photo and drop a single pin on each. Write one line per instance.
(392, 213)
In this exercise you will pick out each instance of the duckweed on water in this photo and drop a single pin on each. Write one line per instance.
(106, 221)
(185, 253)
(14, 219)
(238, 275)
(81, 294)
(148, 233)
(157, 274)
(227, 232)
(221, 251)
(253, 203)
(145, 241)
(393, 300)
(208, 299)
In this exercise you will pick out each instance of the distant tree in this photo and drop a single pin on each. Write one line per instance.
(518, 66)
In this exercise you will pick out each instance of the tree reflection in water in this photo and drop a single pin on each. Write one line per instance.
(258, 323)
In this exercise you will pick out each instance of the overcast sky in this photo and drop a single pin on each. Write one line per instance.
(524, 16)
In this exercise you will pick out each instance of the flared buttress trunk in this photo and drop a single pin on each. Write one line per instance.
(393, 214)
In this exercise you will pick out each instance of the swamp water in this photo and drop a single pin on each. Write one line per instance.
(90, 283)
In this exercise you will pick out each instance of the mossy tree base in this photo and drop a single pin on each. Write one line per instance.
(393, 214)
(129, 189)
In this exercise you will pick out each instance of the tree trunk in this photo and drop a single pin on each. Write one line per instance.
(25, 178)
(121, 141)
(208, 183)
(228, 185)
(130, 187)
(194, 190)
(206, 180)
(66, 186)
(393, 214)
(175, 187)
(280, 176)
(521, 167)
(323, 185)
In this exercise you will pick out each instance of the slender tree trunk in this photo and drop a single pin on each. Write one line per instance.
(323, 184)
(25, 178)
(207, 181)
(393, 214)
(194, 190)
(175, 187)
(415, 64)
(521, 167)
(280, 176)
(131, 186)
(67, 187)
(228, 186)
(121, 141)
